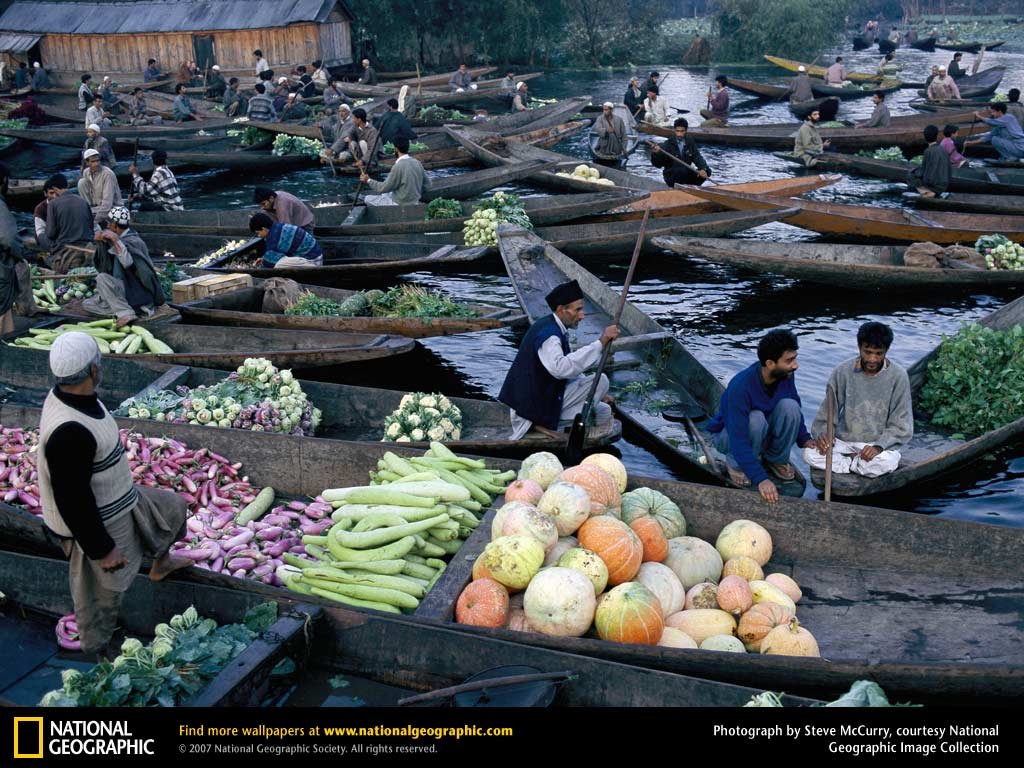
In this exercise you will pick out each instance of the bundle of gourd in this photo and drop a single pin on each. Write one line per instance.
(583, 554)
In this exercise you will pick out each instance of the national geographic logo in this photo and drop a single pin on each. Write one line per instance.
(71, 738)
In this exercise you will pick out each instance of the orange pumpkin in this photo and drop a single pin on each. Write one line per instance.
(479, 571)
(630, 613)
(756, 623)
(483, 603)
(601, 487)
(652, 537)
(616, 544)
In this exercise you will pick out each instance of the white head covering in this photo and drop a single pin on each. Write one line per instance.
(90, 153)
(520, 84)
(344, 106)
(282, 80)
(120, 215)
(607, 105)
(215, 67)
(106, 78)
(93, 127)
(801, 68)
(72, 352)
(35, 64)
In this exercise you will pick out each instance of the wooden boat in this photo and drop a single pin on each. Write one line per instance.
(244, 308)
(351, 414)
(859, 267)
(24, 194)
(926, 105)
(1007, 205)
(441, 78)
(886, 87)
(925, 44)
(761, 90)
(861, 221)
(343, 259)
(542, 117)
(863, 42)
(934, 451)
(651, 369)
(969, 47)
(816, 71)
(360, 646)
(75, 137)
(981, 180)
(632, 139)
(866, 627)
(676, 202)
(977, 86)
(228, 348)
(342, 220)
(885, 45)
(827, 107)
(486, 90)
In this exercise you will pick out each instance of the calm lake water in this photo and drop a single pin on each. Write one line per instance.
(718, 312)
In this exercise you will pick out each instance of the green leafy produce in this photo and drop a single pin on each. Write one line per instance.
(253, 135)
(894, 154)
(444, 208)
(311, 305)
(976, 381)
(414, 146)
(436, 114)
(482, 226)
(185, 655)
(1000, 252)
(297, 145)
(170, 275)
(415, 301)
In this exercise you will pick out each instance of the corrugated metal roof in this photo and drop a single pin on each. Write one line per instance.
(17, 43)
(160, 16)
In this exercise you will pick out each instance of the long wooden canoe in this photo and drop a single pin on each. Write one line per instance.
(977, 86)
(652, 369)
(893, 597)
(924, 44)
(816, 71)
(439, 79)
(973, 47)
(244, 308)
(926, 105)
(1007, 205)
(994, 181)
(934, 451)
(761, 90)
(228, 348)
(868, 222)
(75, 137)
(886, 87)
(488, 89)
(860, 267)
(341, 220)
(350, 413)
(24, 194)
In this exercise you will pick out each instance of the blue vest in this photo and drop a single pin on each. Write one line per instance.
(529, 389)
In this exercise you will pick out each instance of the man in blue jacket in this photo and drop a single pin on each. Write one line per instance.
(759, 417)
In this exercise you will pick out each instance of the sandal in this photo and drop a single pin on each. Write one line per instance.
(784, 472)
(738, 478)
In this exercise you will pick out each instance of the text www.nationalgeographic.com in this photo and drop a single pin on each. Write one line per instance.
(415, 732)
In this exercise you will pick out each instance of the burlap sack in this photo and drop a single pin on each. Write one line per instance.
(279, 293)
(923, 255)
(965, 255)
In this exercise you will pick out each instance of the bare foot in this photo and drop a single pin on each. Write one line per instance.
(123, 321)
(784, 472)
(166, 565)
(738, 478)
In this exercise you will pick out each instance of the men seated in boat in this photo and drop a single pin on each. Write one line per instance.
(287, 246)
(331, 120)
(356, 138)
(215, 84)
(521, 98)
(634, 97)
(932, 177)
(880, 117)
(461, 80)
(333, 95)
(294, 110)
(69, 227)
(284, 207)
(85, 95)
(261, 107)
(800, 87)
(873, 413)
(955, 70)
(759, 417)
(808, 146)
(611, 134)
(98, 186)
(932, 76)
(235, 103)
(182, 109)
(888, 66)
(40, 78)
(281, 93)
(94, 139)
(161, 192)
(138, 109)
(1013, 105)
(680, 158)
(405, 182)
(948, 144)
(943, 87)
(111, 101)
(151, 72)
(717, 113)
(104, 522)
(394, 125)
(545, 388)
(836, 74)
(655, 108)
(507, 88)
(127, 283)
(307, 88)
(39, 219)
(96, 115)
(320, 77)
(21, 79)
(652, 79)
(1005, 136)
(369, 76)
(894, 36)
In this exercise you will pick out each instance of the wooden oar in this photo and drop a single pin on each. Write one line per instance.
(679, 161)
(830, 436)
(366, 169)
(330, 160)
(574, 446)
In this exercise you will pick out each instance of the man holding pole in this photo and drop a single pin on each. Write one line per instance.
(680, 159)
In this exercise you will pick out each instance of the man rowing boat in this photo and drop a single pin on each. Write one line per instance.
(689, 167)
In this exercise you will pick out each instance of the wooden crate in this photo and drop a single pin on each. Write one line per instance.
(204, 286)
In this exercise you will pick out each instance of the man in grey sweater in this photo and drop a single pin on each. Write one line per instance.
(874, 416)
(69, 227)
(405, 182)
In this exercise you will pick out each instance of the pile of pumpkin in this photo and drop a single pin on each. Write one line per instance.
(570, 551)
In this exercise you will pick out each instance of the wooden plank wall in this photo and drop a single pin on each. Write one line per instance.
(284, 46)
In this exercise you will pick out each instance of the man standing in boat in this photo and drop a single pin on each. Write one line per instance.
(688, 167)
(759, 417)
(873, 416)
(104, 521)
(545, 387)
(634, 97)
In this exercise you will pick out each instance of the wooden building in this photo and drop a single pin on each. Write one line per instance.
(118, 38)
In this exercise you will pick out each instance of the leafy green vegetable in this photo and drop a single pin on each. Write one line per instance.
(297, 145)
(865, 693)
(436, 114)
(253, 135)
(894, 154)
(976, 381)
(311, 305)
(169, 276)
(415, 301)
(444, 208)
(415, 146)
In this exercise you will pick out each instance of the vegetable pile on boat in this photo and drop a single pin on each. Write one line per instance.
(397, 301)
(437, 114)
(52, 294)
(256, 396)
(212, 256)
(253, 135)
(482, 227)
(185, 655)
(296, 145)
(421, 416)
(444, 208)
(1000, 252)
(414, 146)
(584, 172)
(129, 340)
(383, 550)
(570, 551)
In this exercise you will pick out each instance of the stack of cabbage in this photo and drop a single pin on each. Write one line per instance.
(231, 245)
(257, 397)
(421, 416)
(503, 208)
(297, 145)
(586, 173)
(1000, 252)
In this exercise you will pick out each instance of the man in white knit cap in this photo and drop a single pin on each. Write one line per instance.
(104, 521)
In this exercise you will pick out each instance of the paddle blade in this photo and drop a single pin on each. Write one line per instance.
(574, 446)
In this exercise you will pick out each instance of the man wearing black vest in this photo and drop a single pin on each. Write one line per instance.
(545, 385)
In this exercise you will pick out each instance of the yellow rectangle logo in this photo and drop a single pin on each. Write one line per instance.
(17, 746)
